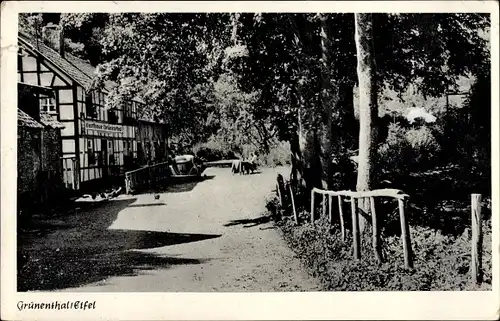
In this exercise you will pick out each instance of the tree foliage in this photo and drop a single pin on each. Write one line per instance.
(430, 50)
(171, 60)
(86, 30)
(266, 75)
(236, 119)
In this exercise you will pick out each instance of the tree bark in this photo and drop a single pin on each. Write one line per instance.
(368, 108)
(297, 170)
(329, 98)
(305, 146)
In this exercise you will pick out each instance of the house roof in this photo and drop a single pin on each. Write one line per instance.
(67, 67)
(23, 87)
(25, 120)
(77, 69)
(50, 121)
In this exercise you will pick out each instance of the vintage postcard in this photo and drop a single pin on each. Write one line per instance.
(250, 160)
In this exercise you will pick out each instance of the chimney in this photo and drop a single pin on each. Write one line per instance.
(61, 41)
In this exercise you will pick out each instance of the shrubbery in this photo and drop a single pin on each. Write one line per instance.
(409, 149)
(279, 155)
(441, 262)
(216, 149)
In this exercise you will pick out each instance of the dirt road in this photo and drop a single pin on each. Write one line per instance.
(208, 236)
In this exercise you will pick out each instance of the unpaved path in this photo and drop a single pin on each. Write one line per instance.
(196, 237)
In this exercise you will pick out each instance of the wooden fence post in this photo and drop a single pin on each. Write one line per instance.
(375, 231)
(355, 229)
(341, 214)
(477, 239)
(281, 190)
(293, 205)
(323, 203)
(279, 194)
(127, 183)
(312, 206)
(330, 215)
(405, 236)
(150, 175)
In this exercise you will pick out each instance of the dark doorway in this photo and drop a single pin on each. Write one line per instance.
(105, 165)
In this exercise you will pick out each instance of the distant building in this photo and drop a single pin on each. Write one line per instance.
(98, 144)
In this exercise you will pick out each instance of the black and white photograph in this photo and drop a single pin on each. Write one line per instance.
(252, 152)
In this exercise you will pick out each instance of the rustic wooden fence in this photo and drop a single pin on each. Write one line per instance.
(353, 197)
(327, 206)
(146, 177)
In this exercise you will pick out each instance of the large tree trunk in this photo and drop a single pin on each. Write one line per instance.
(309, 146)
(368, 108)
(329, 98)
(305, 146)
(297, 170)
(306, 172)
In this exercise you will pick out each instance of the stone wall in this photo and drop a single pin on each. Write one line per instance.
(29, 164)
(39, 166)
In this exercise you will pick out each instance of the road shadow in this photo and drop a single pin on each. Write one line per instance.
(250, 222)
(79, 249)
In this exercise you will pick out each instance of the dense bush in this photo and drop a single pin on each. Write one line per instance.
(441, 262)
(424, 147)
(216, 149)
(395, 154)
(279, 155)
(409, 149)
(208, 154)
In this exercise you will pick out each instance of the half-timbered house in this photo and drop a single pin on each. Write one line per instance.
(96, 141)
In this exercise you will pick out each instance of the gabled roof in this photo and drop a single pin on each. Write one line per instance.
(50, 121)
(77, 69)
(25, 120)
(66, 67)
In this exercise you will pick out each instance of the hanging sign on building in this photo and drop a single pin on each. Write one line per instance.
(102, 127)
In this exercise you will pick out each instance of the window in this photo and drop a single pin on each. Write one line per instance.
(128, 109)
(112, 116)
(90, 107)
(90, 152)
(47, 104)
(127, 148)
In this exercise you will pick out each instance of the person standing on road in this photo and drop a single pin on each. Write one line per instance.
(253, 161)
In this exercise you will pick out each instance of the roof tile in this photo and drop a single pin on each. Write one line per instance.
(50, 121)
(25, 120)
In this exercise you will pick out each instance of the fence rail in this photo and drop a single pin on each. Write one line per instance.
(327, 208)
(353, 196)
(146, 177)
